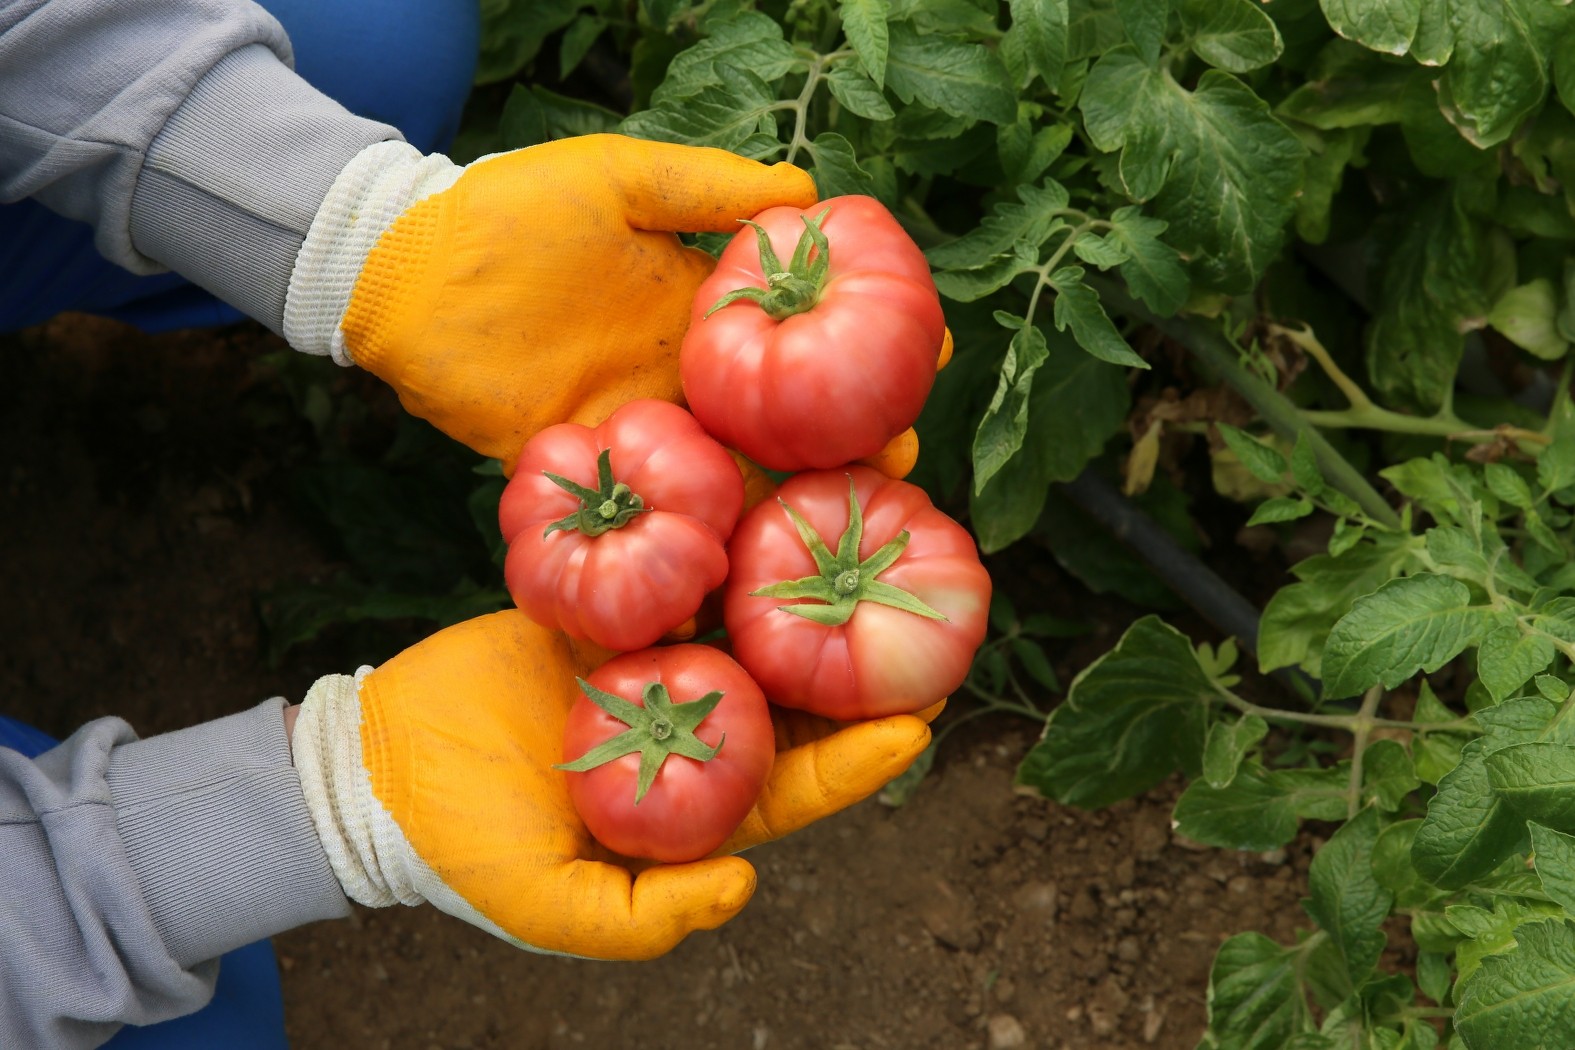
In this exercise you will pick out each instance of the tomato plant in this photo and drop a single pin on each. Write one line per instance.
(886, 623)
(1315, 256)
(823, 360)
(667, 751)
(616, 532)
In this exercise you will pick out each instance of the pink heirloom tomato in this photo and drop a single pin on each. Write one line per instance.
(616, 532)
(885, 622)
(667, 751)
(823, 360)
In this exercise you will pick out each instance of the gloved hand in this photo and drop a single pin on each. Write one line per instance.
(430, 778)
(529, 288)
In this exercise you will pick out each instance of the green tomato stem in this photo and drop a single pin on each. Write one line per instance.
(842, 581)
(611, 505)
(657, 730)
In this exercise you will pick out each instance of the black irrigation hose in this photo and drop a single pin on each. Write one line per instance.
(1191, 580)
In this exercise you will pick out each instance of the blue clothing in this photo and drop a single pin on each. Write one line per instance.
(408, 63)
(247, 1011)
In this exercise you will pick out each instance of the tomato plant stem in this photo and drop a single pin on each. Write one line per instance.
(1285, 418)
(1363, 726)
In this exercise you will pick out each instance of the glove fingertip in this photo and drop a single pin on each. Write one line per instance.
(899, 457)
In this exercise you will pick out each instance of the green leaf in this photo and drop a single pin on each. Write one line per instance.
(1296, 622)
(1258, 810)
(971, 285)
(1144, 22)
(724, 115)
(1556, 465)
(1414, 624)
(1329, 154)
(1078, 306)
(1507, 658)
(748, 41)
(1255, 999)
(1381, 25)
(1433, 43)
(1281, 508)
(1220, 169)
(1434, 483)
(1537, 780)
(1030, 220)
(1492, 932)
(1027, 150)
(1349, 88)
(1526, 316)
(1260, 458)
(1497, 77)
(1520, 720)
(858, 93)
(577, 40)
(950, 75)
(1128, 720)
(1304, 468)
(1523, 999)
(1032, 656)
(1345, 899)
(837, 170)
(864, 23)
(1227, 744)
(1555, 860)
(1505, 482)
(1388, 775)
(1077, 403)
(1429, 296)
(1100, 251)
(1392, 866)
(1152, 269)
(1435, 752)
(512, 34)
(1234, 35)
(1468, 831)
(1043, 24)
(1005, 422)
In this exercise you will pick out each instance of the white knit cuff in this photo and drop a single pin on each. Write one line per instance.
(369, 854)
(371, 192)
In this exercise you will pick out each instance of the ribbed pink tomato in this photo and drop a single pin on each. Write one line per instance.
(616, 532)
(667, 751)
(823, 360)
(885, 622)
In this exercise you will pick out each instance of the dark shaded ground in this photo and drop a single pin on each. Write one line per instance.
(142, 512)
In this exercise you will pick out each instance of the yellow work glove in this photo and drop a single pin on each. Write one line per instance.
(431, 779)
(528, 288)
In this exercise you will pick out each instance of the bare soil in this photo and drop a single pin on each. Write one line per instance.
(141, 513)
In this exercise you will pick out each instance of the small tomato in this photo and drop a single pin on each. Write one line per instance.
(886, 622)
(667, 751)
(616, 532)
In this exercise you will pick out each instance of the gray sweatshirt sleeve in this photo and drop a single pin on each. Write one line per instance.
(130, 865)
(177, 129)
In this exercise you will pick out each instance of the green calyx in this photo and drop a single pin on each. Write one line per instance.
(844, 581)
(609, 506)
(793, 289)
(658, 729)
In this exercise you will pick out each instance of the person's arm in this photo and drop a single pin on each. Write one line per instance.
(178, 131)
(130, 865)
